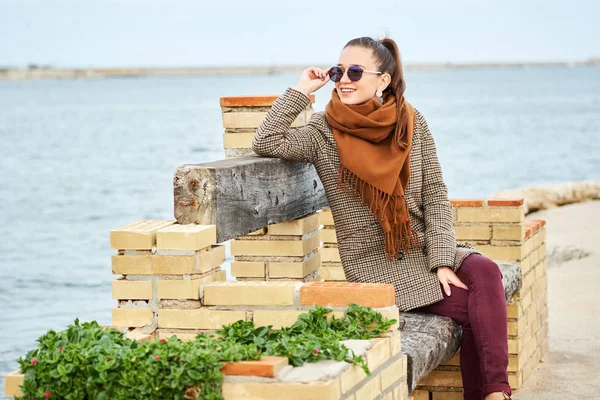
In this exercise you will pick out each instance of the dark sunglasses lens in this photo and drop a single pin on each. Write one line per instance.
(335, 73)
(355, 73)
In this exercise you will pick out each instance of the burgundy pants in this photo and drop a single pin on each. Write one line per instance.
(481, 311)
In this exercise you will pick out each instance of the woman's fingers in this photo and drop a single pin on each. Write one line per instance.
(458, 283)
(317, 73)
(446, 288)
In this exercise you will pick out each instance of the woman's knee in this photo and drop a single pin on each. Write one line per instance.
(478, 267)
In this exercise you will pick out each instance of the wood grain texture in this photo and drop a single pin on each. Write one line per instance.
(241, 195)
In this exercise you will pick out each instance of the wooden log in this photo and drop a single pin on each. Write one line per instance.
(241, 195)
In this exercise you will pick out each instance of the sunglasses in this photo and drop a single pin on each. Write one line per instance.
(355, 72)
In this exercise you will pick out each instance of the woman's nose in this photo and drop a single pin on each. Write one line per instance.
(345, 78)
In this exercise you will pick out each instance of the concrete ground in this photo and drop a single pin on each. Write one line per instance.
(572, 369)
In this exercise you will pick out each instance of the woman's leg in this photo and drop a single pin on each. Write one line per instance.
(481, 312)
(488, 320)
(456, 307)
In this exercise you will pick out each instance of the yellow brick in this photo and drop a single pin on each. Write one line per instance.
(332, 273)
(12, 383)
(131, 317)
(542, 251)
(274, 247)
(140, 235)
(531, 314)
(516, 328)
(250, 293)
(248, 269)
(392, 373)
(472, 232)
(300, 226)
(538, 239)
(203, 261)
(294, 269)
(131, 290)
(545, 349)
(539, 287)
(401, 392)
(447, 396)
(515, 345)
(352, 377)
(513, 309)
(455, 360)
(528, 280)
(248, 120)
(508, 232)
(379, 353)
(186, 237)
(371, 389)
(329, 390)
(515, 380)
(508, 253)
(442, 378)
(540, 270)
(494, 214)
(276, 318)
(330, 254)
(515, 363)
(328, 235)
(395, 342)
(198, 318)
(325, 217)
(241, 140)
(186, 289)
(527, 300)
(541, 334)
(534, 258)
(525, 265)
(258, 232)
(420, 395)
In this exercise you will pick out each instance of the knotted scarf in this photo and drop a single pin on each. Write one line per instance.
(374, 162)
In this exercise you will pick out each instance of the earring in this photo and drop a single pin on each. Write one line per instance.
(379, 95)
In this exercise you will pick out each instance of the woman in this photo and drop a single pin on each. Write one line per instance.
(392, 229)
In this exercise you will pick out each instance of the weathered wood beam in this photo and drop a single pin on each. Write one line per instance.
(241, 195)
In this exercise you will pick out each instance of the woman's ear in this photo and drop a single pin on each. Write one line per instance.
(384, 81)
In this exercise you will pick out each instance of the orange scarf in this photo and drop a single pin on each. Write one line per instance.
(374, 163)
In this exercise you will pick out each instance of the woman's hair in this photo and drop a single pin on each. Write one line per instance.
(387, 58)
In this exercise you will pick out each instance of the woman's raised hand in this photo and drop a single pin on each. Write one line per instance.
(311, 80)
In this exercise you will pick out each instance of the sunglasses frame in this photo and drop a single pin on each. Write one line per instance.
(346, 70)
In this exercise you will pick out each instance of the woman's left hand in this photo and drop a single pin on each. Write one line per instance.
(447, 277)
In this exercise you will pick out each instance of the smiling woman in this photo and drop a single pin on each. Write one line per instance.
(378, 163)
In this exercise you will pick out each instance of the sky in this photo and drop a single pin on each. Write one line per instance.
(174, 33)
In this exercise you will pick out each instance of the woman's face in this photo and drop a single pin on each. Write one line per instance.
(364, 89)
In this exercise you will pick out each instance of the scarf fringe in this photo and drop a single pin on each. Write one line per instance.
(399, 234)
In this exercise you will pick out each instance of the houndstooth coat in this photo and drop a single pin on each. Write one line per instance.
(359, 235)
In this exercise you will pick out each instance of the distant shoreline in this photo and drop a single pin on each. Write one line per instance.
(45, 72)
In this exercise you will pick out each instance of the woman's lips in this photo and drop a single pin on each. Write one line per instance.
(347, 93)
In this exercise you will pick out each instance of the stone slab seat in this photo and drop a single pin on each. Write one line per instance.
(430, 340)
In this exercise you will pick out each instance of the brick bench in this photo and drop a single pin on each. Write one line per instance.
(430, 340)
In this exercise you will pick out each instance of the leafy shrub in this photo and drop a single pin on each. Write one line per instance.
(86, 361)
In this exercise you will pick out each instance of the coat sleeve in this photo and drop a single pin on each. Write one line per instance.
(275, 138)
(440, 239)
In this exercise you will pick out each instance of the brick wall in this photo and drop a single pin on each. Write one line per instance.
(241, 117)
(162, 266)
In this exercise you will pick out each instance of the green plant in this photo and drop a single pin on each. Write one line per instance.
(86, 361)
